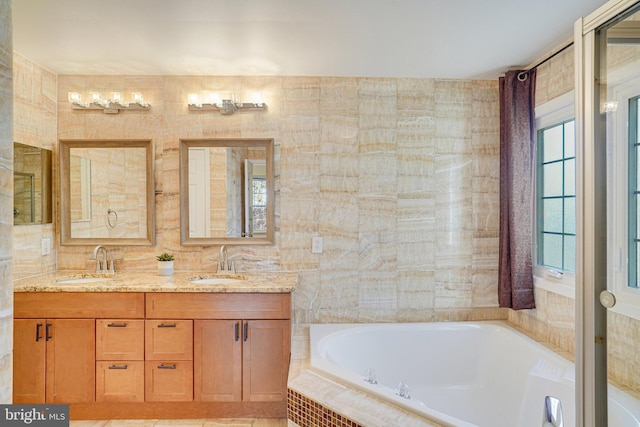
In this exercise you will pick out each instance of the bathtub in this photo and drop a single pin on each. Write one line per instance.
(457, 373)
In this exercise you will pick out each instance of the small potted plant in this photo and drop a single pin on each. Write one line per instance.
(165, 264)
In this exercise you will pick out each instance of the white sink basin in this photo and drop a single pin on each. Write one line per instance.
(81, 280)
(215, 280)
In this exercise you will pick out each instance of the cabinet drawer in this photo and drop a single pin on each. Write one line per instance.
(218, 306)
(78, 305)
(120, 381)
(168, 381)
(168, 339)
(119, 339)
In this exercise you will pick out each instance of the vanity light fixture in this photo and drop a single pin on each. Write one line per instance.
(112, 105)
(224, 106)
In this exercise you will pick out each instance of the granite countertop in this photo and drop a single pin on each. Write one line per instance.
(141, 281)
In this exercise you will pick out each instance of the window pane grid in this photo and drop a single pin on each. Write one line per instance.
(634, 193)
(556, 196)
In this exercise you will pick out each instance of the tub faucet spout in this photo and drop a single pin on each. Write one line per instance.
(552, 412)
(403, 390)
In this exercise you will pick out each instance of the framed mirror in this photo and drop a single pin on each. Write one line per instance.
(226, 192)
(32, 195)
(106, 192)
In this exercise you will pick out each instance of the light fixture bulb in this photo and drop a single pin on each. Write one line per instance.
(96, 97)
(116, 97)
(137, 98)
(74, 97)
(213, 98)
(194, 99)
(256, 98)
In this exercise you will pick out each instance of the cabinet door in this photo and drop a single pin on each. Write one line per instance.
(28, 360)
(266, 360)
(168, 339)
(70, 355)
(218, 360)
(119, 339)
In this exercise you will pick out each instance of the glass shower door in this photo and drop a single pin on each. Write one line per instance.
(608, 176)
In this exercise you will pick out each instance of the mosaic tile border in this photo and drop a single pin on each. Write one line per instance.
(309, 413)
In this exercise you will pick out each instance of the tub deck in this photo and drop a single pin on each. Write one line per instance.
(327, 397)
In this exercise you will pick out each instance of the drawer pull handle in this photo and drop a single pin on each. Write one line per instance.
(167, 325)
(163, 366)
(118, 366)
(117, 325)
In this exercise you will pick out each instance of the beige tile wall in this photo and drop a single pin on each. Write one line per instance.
(34, 123)
(399, 176)
(6, 205)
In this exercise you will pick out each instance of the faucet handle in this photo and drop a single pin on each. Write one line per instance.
(112, 267)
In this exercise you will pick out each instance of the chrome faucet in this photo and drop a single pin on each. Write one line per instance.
(552, 412)
(223, 263)
(100, 266)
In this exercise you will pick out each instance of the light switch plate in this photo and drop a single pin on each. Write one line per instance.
(316, 245)
(46, 246)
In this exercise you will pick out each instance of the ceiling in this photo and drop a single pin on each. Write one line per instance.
(463, 39)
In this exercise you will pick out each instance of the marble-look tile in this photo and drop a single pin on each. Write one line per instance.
(6, 201)
(397, 175)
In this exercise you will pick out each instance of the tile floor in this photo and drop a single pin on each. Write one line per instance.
(227, 422)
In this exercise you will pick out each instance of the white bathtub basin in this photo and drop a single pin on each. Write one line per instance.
(459, 373)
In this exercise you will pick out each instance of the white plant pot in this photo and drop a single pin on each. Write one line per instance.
(165, 268)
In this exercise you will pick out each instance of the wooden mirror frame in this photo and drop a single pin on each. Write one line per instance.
(186, 240)
(65, 193)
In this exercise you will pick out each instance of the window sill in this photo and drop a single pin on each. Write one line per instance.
(550, 285)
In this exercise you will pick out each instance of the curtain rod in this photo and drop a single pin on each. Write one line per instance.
(523, 75)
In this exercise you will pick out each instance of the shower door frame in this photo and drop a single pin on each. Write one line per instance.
(591, 221)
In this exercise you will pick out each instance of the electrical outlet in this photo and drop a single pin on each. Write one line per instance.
(46, 246)
(316, 245)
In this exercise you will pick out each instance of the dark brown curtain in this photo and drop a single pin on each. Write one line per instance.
(517, 159)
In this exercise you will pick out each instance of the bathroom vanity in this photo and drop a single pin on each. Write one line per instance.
(147, 346)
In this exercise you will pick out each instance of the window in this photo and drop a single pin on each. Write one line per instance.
(259, 205)
(634, 191)
(556, 197)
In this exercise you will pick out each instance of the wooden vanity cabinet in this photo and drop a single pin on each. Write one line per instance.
(168, 360)
(153, 355)
(241, 343)
(241, 360)
(55, 342)
(120, 360)
(54, 360)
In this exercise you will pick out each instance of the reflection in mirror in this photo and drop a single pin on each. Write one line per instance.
(32, 196)
(107, 192)
(227, 191)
